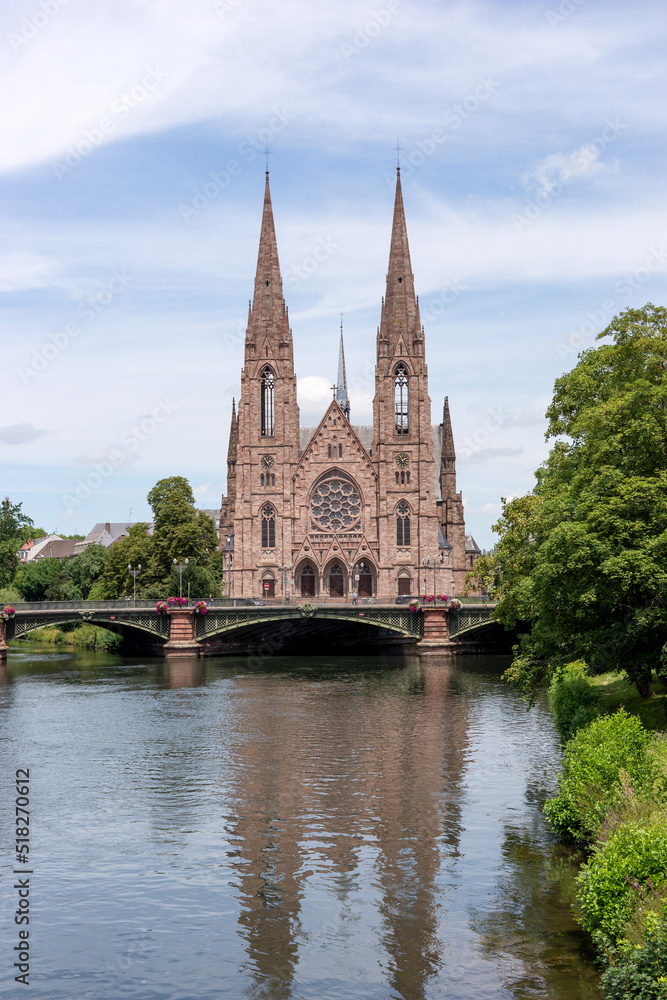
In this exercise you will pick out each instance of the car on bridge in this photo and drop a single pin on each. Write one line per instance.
(254, 601)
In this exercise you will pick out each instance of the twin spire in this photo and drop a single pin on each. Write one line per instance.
(400, 309)
(267, 318)
(268, 322)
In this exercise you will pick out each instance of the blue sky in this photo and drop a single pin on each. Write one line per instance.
(533, 157)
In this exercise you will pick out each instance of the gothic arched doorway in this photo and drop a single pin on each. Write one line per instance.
(307, 581)
(336, 581)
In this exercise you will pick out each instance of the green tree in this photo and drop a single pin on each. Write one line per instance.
(135, 550)
(581, 565)
(15, 529)
(34, 579)
(78, 575)
(180, 530)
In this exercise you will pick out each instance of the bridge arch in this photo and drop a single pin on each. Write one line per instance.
(139, 623)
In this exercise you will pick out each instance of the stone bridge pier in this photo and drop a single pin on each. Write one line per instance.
(182, 640)
(3, 644)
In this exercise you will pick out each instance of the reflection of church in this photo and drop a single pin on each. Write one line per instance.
(327, 510)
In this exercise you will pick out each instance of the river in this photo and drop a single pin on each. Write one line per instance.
(334, 828)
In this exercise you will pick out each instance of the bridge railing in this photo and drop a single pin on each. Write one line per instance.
(239, 602)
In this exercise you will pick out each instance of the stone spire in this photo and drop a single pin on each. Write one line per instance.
(448, 454)
(267, 319)
(232, 450)
(342, 397)
(400, 320)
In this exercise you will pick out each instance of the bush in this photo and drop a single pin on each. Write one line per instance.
(93, 637)
(625, 878)
(573, 699)
(639, 973)
(591, 778)
(9, 595)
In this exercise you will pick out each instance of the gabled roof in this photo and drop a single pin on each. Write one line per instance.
(339, 414)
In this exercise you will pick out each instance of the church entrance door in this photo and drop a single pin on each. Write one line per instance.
(307, 581)
(365, 584)
(336, 580)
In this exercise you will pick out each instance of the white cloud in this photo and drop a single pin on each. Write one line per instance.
(564, 168)
(20, 434)
(313, 395)
(488, 454)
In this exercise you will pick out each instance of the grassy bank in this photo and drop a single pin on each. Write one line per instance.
(612, 802)
(87, 636)
(617, 692)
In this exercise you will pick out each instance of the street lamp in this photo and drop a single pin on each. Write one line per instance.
(427, 561)
(285, 569)
(228, 567)
(134, 573)
(180, 567)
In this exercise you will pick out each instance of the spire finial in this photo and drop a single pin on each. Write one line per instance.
(267, 154)
(398, 149)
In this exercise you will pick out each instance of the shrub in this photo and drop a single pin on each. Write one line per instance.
(573, 699)
(9, 595)
(639, 973)
(624, 880)
(93, 637)
(591, 778)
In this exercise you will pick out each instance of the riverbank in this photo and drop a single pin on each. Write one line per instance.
(612, 803)
(86, 636)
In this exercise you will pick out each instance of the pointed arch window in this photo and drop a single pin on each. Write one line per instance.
(403, 524)
(401, 399)
(268, 526)
(267, 384)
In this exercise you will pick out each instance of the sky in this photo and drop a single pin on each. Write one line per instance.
(532, 140)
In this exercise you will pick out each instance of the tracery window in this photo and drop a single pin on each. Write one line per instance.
(268, 526)
(401, 399)
(267, 388)
(335, 504)
(403, 524)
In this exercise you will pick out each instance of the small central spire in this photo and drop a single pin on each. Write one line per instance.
(342, 397)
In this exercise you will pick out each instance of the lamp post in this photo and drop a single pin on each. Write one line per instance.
(355, 571)
(426, 562)
(134, 573)
(228, 567)
(180, 567)
(284, 568)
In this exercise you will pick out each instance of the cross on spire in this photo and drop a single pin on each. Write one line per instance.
(333, 389)
(267, 153)
(398, 149)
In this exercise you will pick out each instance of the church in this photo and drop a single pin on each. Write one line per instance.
(324, 512)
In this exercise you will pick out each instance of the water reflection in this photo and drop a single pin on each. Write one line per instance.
(183, 671)
(333, 828)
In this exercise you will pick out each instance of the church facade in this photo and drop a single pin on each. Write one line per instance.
(326, 511)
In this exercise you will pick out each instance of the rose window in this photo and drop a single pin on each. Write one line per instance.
(335, 505)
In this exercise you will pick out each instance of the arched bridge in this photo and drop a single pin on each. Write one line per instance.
(296, 627)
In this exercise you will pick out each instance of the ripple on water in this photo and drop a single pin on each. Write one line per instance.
(330, 829)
